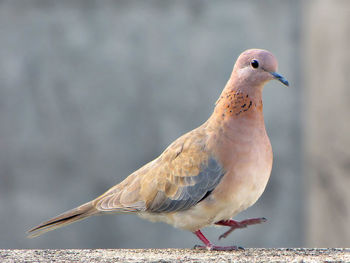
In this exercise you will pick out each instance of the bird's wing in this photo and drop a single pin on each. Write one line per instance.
(178, 179)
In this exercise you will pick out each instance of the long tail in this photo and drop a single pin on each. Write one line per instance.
(64, 219)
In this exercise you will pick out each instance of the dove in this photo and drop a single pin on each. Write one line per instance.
(208, 175)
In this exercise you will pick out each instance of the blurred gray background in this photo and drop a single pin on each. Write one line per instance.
(92, 90)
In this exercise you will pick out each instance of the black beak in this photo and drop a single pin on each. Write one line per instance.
(280, 78)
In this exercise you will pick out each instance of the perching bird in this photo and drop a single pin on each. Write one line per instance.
(206, 176)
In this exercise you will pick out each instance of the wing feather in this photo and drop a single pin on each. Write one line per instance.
(190, 194)
(178, 179)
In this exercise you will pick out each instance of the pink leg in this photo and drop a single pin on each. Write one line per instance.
(209, 246)
(239, 224)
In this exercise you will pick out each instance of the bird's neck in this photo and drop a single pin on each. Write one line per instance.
(238, 102)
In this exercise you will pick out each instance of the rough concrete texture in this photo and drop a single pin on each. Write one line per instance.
(176, 255)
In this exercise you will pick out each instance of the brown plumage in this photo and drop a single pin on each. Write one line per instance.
(208, 175)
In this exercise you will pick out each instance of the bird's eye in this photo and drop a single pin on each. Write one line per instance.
(254, 63)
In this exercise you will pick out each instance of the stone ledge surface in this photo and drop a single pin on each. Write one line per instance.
(175, 255)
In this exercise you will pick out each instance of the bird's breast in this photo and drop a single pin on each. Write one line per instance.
(246, 155)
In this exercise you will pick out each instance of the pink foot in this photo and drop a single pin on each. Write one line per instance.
(209, 246)
(239, 224)
(218, 248)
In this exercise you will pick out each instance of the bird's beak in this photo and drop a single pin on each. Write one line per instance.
(280, 78)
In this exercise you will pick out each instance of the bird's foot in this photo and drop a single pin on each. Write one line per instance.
(239, 224)
(209, 246)
(218, 248)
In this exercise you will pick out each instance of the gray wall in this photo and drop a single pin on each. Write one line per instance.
(92, 90)
(327, 129)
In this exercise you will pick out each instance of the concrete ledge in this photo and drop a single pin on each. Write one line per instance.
(175, 255)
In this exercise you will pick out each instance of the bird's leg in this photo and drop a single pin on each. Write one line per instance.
(209, 246)
(239, 224)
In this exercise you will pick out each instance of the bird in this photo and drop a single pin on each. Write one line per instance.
(208, 175)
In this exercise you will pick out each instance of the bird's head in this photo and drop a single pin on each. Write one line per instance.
(254, 67)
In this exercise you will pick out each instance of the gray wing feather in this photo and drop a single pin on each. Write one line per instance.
(187, 196)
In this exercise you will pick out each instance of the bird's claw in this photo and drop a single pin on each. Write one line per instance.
(224, 235)
(199, 247)
(217, 248)
(243, 224)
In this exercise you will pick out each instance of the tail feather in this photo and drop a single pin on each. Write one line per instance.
(64, 219)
